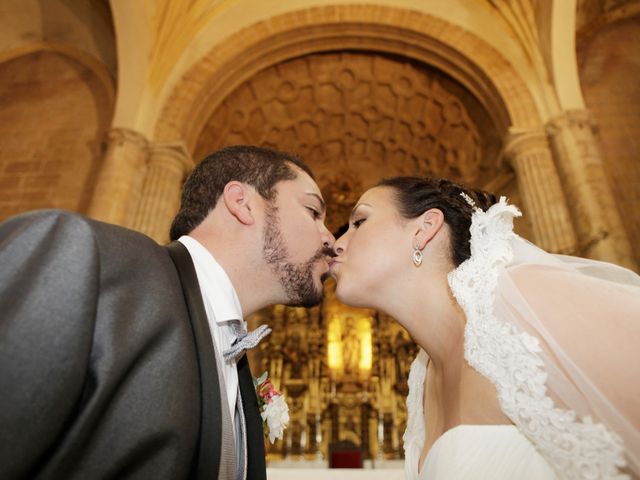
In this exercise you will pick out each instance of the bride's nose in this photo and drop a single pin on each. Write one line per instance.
(340, 246)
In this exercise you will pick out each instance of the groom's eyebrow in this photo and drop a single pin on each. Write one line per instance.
(319, 198)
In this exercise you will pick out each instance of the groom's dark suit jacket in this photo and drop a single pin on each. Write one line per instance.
(106, 361)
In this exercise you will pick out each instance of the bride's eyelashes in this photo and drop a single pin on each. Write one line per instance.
(358, 222)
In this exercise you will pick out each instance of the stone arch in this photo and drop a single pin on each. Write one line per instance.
(609, 82)
(95, 66)
(425, 38)
(59, 104)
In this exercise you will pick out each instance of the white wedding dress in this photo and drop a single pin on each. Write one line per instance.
(496, 452)
(558, 337)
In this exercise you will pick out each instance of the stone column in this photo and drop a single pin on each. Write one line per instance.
(169, 164)
(541, 191)
(577, 153)
(118, 188)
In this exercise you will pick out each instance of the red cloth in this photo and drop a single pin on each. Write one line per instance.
(345, 459)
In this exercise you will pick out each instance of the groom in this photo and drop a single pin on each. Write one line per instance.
(120, 358)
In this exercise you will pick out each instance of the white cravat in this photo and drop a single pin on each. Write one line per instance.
(223, 308)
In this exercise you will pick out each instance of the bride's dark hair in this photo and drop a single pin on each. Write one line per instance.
(416, 195)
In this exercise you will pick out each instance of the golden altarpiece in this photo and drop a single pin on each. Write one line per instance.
(322, 359)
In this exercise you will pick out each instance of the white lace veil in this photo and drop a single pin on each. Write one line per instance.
(559, 337)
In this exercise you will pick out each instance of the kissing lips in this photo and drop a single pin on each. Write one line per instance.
(333, 266)
(326, 273)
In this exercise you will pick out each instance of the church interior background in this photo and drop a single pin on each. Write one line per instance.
(108, 105)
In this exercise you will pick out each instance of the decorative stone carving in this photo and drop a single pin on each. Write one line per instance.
(168, 167)
(542, 195)
(376, 115)
(341, 192)
(601, 233)
(118, 189)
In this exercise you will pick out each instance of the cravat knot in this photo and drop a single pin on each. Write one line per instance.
(245, 340)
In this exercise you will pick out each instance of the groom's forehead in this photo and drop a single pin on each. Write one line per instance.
(303, 183)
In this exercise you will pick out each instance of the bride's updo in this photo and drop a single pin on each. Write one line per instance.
(416, 195)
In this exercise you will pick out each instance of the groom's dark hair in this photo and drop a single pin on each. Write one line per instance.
(262, 168)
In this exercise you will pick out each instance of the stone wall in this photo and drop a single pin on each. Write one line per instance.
(609, 64)
(53, 119)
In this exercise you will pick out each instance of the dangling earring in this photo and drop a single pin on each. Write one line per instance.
(417, 256)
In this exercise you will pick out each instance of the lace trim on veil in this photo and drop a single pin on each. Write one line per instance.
(509, 358)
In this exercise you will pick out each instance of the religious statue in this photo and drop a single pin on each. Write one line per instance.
(350, 347)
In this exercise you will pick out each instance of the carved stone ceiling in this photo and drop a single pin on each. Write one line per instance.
(356, 117)
(591, 11)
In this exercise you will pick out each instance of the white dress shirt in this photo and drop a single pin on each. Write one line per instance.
(222, 306)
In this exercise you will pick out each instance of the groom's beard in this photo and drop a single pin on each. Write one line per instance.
(296, 278)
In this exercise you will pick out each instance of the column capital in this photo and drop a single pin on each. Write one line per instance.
(172, 154)
(570, 119)
(520, 141)
(119, 136)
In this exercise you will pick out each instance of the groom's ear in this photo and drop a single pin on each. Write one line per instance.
(429, 224)
(238, 199)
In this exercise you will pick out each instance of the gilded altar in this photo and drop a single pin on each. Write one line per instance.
(343, 371)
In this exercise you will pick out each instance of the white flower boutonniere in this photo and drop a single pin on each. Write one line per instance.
(273, 408)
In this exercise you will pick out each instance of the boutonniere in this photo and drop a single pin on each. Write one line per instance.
(273, 407)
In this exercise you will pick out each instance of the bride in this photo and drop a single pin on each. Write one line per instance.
(529, 365)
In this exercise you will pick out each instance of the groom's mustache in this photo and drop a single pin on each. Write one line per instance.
(325, 252)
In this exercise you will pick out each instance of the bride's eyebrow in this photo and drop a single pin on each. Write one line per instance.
(353, 212)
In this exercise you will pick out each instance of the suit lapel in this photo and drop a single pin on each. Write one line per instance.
(208, 455)
(256, 466)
